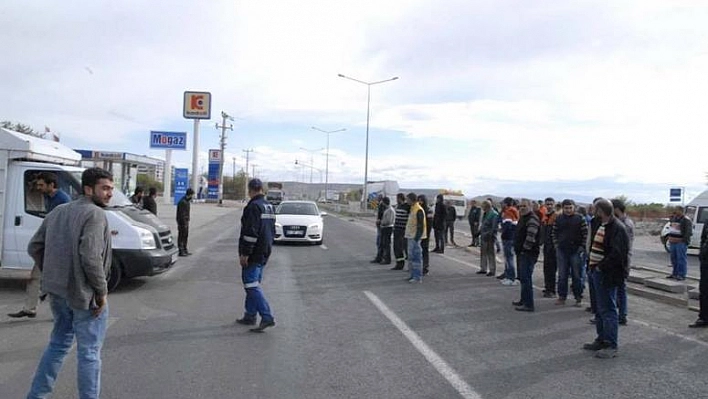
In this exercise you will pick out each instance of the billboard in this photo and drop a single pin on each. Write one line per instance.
(181, 183)
(213, 176)
(197, 105)
(168, 140)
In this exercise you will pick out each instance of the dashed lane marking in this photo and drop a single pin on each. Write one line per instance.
(433, 358)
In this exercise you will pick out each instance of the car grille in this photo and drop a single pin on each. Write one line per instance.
(295, 231)
(166, 240)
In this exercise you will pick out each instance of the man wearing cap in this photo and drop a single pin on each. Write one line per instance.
(254, 247)
(183, 208)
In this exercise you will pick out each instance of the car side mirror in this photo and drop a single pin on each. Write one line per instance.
(323, 213)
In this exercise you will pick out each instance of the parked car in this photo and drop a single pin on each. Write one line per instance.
(299, 221)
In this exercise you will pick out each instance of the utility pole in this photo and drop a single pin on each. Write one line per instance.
(248, 153)
(233, 182)
(222, 142)
(253, 168)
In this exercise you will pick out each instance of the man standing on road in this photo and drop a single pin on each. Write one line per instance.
(254, 248)
(550, 262)
(488, 237)
(380, 208)
(509, 222)
(73, 249)
(183, 210)
(137, 197)
(679, 237)
(425, 242)
(607, 270)
(399, 231)
(621, 214)
(53, 197)
(527, 244)
(415, 232)
(703, 284)
(570, 233)
(450, 218)
(388, 219)
(439, 218)
(473, 217)
(149, 203)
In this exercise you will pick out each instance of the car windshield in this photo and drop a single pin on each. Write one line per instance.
(297, 209)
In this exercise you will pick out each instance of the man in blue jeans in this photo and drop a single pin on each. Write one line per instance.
(570, 233)
(415, 232)
(527, 244)
(72, 248)
(680, 231)
(608, 269)
(254, 248)
(621, 214)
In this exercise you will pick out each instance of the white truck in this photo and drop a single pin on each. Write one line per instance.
(142, 244)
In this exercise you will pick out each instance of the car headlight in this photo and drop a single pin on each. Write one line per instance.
(147, 239)
(313, 228)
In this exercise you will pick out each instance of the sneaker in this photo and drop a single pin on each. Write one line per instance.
(606, 353)
(246, 321)
(23, 313)
(261, 327)
(549, 294)
(415, 280)
(595, 346)
(508, 282)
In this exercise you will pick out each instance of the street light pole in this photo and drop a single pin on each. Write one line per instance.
(364, 193)
(327, 157)
(223, 127)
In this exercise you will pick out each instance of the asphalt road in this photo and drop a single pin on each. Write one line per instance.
(350, 329)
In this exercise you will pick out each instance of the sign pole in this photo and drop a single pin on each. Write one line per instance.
(167, 178)
(195, 158)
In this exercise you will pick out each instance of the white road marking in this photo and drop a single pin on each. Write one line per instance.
(433, 358)
(179, 268)
(324, 247)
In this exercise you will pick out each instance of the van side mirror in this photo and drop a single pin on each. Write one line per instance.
(323, 213)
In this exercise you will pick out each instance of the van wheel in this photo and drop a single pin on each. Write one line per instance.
(114, 275)
(665, 242)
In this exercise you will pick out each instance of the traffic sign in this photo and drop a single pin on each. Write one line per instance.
(197, 105)
(675, 194)
(168, 140)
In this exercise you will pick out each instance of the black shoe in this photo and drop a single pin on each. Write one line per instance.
(261, 327)
(700, 323)
(623, 320)
(471, 245)
(183, 254)
(671, 277)
(375, 261)
(517, 303)
(383, 262)
(595, 346)
(23, 313)
(549, 294)
(593, 321)
(247, 321)
(490, 274)
(588, 309)
(524, 309)
(481, 272)
(397, 267)
(501, 276)
(425, 272)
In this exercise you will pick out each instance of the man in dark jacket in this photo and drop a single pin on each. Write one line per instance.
(450, 219)
(149, 203)
(137, 197)
(703, 285)
(607, 270)
(679, 237)
(527, 244)
(254, 248)
(183, 209)
(570, 233)
(550, 263)
(474, 217)
(439, 218)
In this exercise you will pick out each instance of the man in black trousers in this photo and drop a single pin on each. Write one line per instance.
(183, 209)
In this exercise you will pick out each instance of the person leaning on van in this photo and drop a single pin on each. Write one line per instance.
(53, 196)
(680, 231)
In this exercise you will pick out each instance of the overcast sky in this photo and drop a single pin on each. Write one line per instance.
(580, 98)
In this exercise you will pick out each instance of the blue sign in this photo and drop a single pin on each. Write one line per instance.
(168, 140)
(181, 183)
(213, 187)
(675, 194)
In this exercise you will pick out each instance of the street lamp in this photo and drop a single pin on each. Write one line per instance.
(364, 194)
(327, 156)
(312, 160)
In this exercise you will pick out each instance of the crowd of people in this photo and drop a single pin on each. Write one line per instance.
(584, 246)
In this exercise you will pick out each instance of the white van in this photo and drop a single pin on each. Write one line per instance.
(142, 244)
(697, 212)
